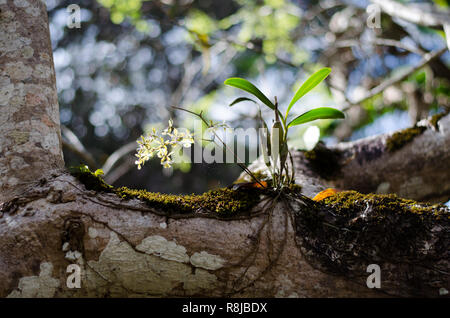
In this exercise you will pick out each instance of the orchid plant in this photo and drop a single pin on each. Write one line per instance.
(275, 151)
(273, 143)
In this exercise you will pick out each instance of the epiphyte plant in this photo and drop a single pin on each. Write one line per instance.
(273, 144)
(275, 149)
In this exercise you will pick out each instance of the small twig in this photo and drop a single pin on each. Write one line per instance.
(381, 42)
(83, 155)
(74, 144)
(427, 58)
(117, 172)
(117, 155)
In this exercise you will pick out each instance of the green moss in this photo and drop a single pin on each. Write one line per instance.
(91, 180)
(381, 204)
(435, 119)
(401, 138)
(323, 161)
(223, 202)
(349, 230)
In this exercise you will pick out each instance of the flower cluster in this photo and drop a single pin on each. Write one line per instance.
(159, 144)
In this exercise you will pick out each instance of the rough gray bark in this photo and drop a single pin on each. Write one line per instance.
(29, 115)
(292, 248)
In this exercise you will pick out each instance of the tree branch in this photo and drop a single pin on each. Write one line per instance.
(73, 144)
(117, 172)
(415, 14)
(419, 170)
(117, 155)
(381, 42)
(288, 245)
(400, 76)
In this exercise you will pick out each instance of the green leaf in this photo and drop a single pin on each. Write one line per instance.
(80, 168)
(249, 87)
(317, 113)
(308, 85)
(99, 172)
(241, 99)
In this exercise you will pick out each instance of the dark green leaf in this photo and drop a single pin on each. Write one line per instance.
(318, 113)
(308, 85)
(249, 87)
(241, 99)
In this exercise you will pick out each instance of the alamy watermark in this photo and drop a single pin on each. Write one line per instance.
(374, 279)
(74, 279)
(374, 16)
(74, 17)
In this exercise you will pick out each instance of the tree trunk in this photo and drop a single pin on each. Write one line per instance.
(29, 117)
(130, 243)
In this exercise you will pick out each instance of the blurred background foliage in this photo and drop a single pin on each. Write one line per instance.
(119, 73)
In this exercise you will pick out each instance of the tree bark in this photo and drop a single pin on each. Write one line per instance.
(286, 246)
(29, 117)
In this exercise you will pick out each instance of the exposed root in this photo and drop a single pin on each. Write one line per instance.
(273, 252)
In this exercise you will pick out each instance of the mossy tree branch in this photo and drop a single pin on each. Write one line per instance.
(288, 245)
